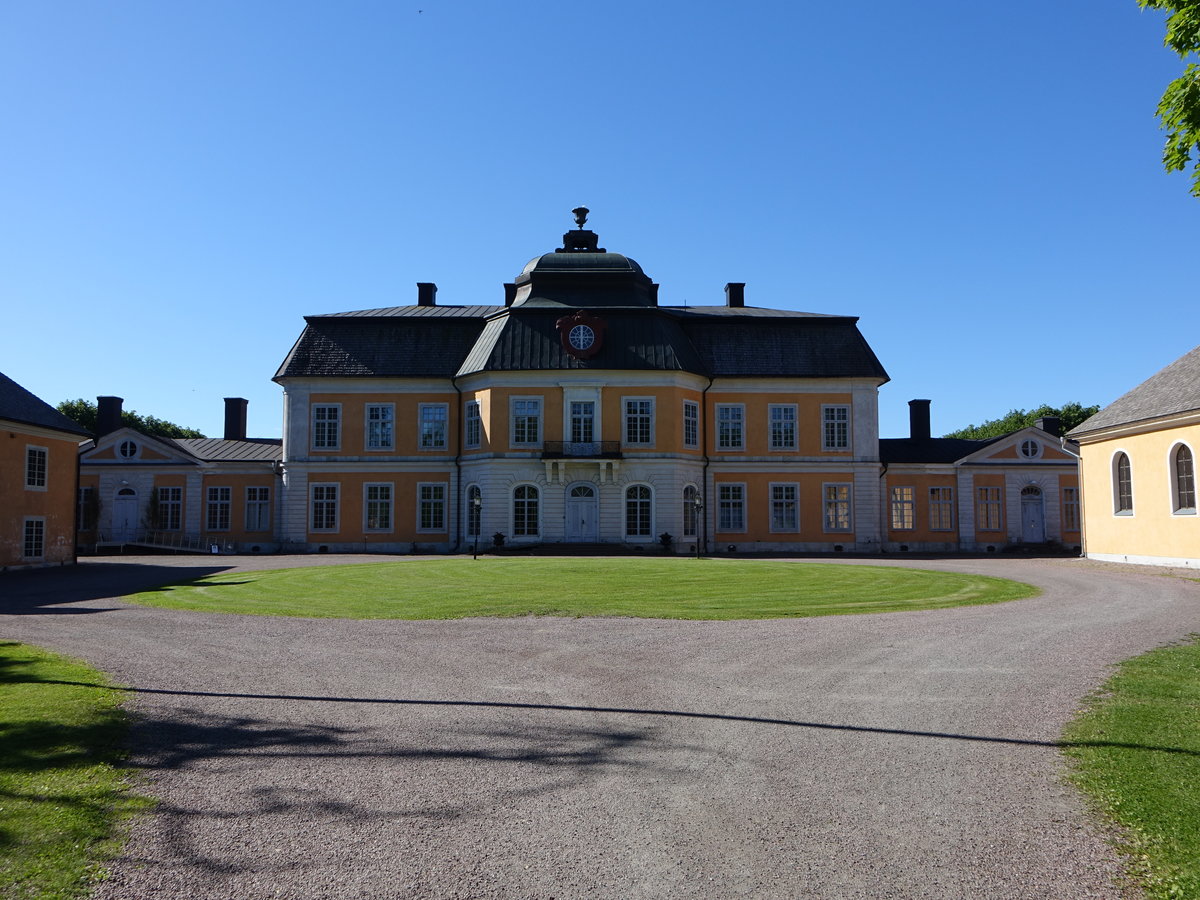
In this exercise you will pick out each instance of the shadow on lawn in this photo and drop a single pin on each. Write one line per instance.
(41, 591)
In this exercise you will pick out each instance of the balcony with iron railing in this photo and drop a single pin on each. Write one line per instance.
(581, 450)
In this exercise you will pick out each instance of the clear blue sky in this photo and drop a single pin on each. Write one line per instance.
(979, 182)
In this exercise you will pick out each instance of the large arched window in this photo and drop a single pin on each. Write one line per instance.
(639, 516)
(1183, 480)
(689, 511)
(1122, 485)
(525, 511)
(474, 510)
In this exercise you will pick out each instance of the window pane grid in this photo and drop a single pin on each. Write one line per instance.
(989, 509)
(731, 507)
(35, 467)
(941, 508)
(837, 507)
(836, 435)
(783, 427)
(219, 504)
(433, 507)
(637, 511)
(170, 509)
(380, 427)
(433, 426)
(729, 427)
(1185, 481)
(525, 511)
(34, 543)
(326, 435)
(691, 424)
(903, 508)
(324, 507)
(784, 513)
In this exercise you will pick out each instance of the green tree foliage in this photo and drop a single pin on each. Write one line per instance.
(1071, 414)
(1179, 108)
(84, 412)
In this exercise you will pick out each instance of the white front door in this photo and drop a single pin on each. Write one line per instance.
(1033, 520)
(124, 515)
(581, 513)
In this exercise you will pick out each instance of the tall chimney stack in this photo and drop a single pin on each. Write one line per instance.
(426, 293)
(1050, 424)
(235, 418)
(510, 293)
(918, 419)
(735, 294)
(108, 415)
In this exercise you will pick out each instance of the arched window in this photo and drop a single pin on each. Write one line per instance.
(1183, 478)
(1122, 485)
(525, 511)
(474, 510)
(639, 519)
(689, 510)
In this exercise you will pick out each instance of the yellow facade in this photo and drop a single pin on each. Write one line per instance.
(1153, 531)
(38, 516)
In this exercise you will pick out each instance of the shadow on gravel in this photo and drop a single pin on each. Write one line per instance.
(664, 713)
(274, 771)
(42, 591)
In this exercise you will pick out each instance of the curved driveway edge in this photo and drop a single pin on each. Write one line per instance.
(894, 755)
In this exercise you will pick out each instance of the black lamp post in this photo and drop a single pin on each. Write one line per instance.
(477, 507)
(699, 506)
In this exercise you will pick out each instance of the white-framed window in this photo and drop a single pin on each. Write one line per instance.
(836, 507)
(583, 421)
(835, 427)
(258, 508)
(34, 543)
(691, 423)
(1183, 481)
(731, 507)
(1029, 449)
(323, 507)
(1122, 485)
(170, 509)
(377, 506)
(474, 511)
(218, 509)
(731, 426)
(525, 511)
(472, 426)
(526, 421)
(326, 426)
(380, 422)
(1070, 502)
(690, 517)
(783, 426)
(85, 514)
(128, 449)
(433, 425)
(989, 509)
(639, 511)
(639, 421)
(37, 461)
(941, 509)
(785, 508)
(431, 507)
(904, 508)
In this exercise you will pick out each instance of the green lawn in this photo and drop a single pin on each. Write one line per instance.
(669, 588)
(1137, 754)
(63, 803)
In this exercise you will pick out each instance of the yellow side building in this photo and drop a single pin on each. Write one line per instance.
(1138, 471)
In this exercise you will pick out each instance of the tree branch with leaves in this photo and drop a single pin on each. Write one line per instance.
(1179, 108)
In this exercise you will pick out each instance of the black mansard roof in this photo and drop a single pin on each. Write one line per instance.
(445, 341)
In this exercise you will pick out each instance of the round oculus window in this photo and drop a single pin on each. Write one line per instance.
(582, 337)
(128, 449)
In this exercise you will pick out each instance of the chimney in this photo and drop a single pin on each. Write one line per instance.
(654, 294)
(426, 293)
(1050, 424)
(108, 415)
(918, 419)
(235, 419)
(735, 294)
(510, 294)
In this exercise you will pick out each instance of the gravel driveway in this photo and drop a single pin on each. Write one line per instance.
(900, 755)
